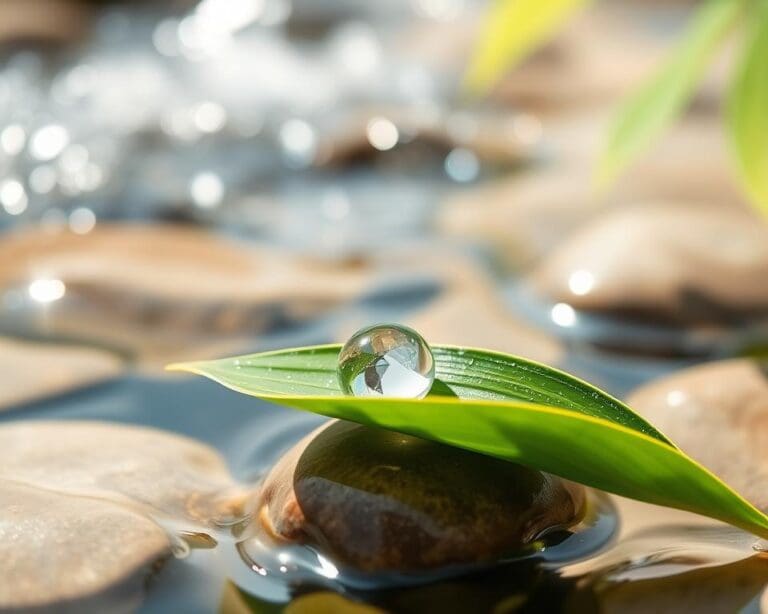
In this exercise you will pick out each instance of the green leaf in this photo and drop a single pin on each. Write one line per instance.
(748, 111)
(513, 28)
(509, 408)
(647, 112)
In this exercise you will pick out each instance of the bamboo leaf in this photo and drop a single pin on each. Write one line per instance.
(748, 112)
(509, 408)
(512, 29)
(647, 112)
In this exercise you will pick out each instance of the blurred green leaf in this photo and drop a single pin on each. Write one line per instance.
(513, 28)
(748, 110)
(506, 407)
(658, 102)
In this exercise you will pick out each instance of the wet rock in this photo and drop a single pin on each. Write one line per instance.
(67, 553)
(475, 316)
(163, 291)
(31, 371)
(43, 21)
(720, 589)
(522, 216)
(82, 508)
(718, 414)
(377, 500)
(678, 264)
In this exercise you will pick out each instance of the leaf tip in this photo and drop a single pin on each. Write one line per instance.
(186, 367)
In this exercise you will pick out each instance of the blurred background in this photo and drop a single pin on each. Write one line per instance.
(184, 180)
(193, 179)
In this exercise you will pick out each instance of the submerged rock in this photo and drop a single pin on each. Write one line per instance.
(684, 265)
(377, 500)
(82, 506)
(718, 414)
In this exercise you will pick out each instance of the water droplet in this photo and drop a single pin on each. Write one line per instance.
(761, 545)
(386, 360)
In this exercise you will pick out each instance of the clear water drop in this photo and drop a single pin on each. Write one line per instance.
(386, 360)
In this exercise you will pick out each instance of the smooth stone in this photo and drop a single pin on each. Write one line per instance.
(44, 21)
(718, 414)
(165, 292)
(32, 371)
(83, 504)
(65, 553)
(522, 216)
(375, 500)
(720, 589)
(477, 317)
(527, 214)
(663, 263)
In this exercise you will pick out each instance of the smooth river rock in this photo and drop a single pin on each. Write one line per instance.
(664, 263)
(31, 371)
(82, 509)
(718, 414)
(375, 500)
(162, 292)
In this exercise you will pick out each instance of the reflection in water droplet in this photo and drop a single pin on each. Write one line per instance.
(386, 360)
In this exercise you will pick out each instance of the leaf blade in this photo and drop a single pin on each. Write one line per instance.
(577, 440)
(513, 28)
(747, 118)
(656, 104)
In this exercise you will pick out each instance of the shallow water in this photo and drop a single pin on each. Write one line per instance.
(615, 562)
(673, 557)
(641, 557)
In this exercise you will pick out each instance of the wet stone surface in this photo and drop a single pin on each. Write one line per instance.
(375, 500)
(684, 265)
(89, 510)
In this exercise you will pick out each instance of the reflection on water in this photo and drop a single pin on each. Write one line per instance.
(662, 561)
